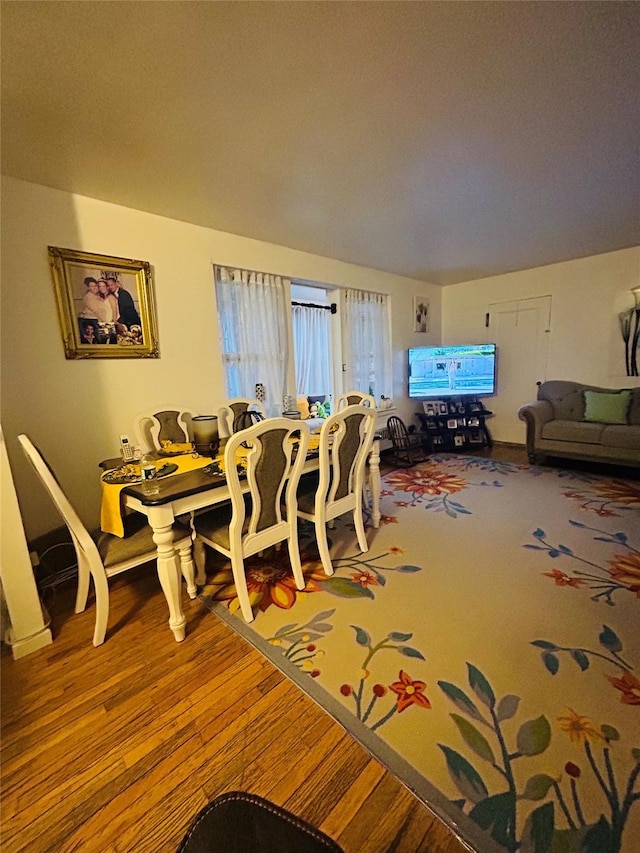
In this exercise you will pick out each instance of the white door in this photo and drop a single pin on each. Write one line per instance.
(520, 330)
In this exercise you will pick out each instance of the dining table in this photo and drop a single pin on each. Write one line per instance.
(197, 484)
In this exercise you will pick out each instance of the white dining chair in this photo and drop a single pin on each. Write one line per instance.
(355, 398)
(254, 520)
(101, 555)
(162, 423)
(229, 412)
(345, 443)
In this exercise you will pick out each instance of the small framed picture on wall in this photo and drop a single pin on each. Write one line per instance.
(421, 317)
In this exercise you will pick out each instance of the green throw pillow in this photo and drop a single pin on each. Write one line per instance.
(606, 408)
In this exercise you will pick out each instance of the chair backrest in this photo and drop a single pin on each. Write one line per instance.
(84, 544)
(398, 432)
(355, 398)
(162, 423)
(245, 419)
(274, 462)
(228, 413)
(345, 443)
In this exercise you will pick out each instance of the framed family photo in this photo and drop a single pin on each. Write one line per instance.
(106, 305)
(421, 319)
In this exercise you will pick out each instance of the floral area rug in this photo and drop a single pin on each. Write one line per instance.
(486, 648)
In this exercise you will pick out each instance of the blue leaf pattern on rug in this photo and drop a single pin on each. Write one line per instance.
(623, 573)
(509, 704)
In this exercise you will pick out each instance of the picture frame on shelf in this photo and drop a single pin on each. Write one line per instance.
(443, 408)
(458, 440)
(452, 423)
(106, 305)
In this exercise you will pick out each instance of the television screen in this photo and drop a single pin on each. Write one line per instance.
(453, 371)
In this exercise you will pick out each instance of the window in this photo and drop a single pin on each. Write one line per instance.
(312, 346)
(366, 342)
(260, 331)
(254, 339)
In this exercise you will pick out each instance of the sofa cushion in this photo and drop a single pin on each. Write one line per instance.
(607, 408)
(581, 431)
(626, 436)
(633, 415)
(567, 399)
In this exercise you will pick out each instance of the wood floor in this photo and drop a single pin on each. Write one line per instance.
(117, 748)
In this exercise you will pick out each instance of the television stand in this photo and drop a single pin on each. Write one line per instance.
(454, 425)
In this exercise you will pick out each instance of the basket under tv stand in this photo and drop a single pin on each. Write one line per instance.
(455, 423)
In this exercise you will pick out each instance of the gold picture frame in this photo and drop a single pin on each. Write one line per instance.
(106, 305)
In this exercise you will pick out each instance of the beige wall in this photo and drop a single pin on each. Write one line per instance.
(585, 344)
(75, 410)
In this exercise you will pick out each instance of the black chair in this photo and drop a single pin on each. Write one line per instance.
(408, 447)
(238, 822)
(230, 411)
(246, 419)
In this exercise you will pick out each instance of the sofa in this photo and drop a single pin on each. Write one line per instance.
(577, 421)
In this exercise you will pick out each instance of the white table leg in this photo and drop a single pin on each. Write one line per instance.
(161, 520)
(374, 483)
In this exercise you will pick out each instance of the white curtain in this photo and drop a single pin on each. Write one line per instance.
(312, 348)
(366, 343)
(252, 319)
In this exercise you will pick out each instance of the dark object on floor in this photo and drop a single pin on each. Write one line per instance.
(54, 560)
(408, 448)
(238, 822)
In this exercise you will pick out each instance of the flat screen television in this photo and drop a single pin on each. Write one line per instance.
(453, 371)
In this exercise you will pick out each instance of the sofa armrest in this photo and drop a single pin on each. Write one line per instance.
(535, 415)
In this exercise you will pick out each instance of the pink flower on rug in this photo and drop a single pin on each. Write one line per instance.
(625, 568)
(563, 580)
(629, 687)
(427, 480)
(409, 692)
(365, 578)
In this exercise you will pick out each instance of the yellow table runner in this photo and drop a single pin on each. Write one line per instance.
(111, 520)
(111, 510)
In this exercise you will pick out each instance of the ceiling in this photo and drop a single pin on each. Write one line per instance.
(444, 141)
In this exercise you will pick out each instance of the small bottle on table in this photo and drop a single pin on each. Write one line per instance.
(148, 475)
